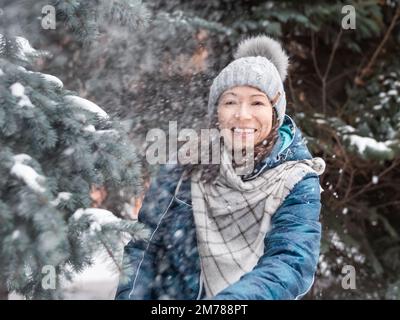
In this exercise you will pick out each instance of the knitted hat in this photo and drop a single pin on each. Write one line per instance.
(259, 62)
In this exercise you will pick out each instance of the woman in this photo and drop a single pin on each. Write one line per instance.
(220, 234)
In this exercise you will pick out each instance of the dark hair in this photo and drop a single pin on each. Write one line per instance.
(261, 150)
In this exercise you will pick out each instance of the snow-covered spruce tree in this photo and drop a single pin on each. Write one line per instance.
(54, 147)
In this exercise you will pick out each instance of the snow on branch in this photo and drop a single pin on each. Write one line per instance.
(367, 146)
(26, 173)
(18, 90)
(98, 217)
(86, 105)
(362, 143)
(62, 196)
(26, 49)
(47, 77)
(52, 79)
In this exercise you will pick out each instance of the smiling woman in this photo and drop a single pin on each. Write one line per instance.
(251, 120)
(247, 112)
(218, 234)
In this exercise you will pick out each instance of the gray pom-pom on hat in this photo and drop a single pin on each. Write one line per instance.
(260, 62)
(267, 47)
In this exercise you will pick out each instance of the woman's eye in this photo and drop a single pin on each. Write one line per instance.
(230, 102)
(257, 103)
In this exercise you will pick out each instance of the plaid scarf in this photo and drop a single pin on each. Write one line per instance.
(232, 217)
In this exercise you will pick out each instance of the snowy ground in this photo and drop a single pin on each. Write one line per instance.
(95, 283)
(99, 282)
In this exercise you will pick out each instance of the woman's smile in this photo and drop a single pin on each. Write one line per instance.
(246, 135)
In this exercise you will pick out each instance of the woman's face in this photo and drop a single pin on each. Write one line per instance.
(246, 113)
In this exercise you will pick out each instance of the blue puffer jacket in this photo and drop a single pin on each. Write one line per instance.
(168, 265)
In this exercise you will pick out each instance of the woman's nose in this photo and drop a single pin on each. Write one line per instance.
(244, 112)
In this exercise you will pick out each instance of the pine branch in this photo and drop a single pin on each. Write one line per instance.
(323, 77)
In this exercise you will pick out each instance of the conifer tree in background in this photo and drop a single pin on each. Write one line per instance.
(60, 152)
(55, 146)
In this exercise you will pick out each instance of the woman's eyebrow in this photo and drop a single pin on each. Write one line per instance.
(229, 92)
(253, 95)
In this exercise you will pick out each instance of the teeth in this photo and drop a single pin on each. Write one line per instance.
(243, 130)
